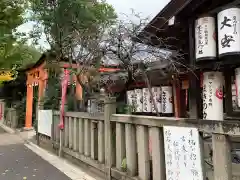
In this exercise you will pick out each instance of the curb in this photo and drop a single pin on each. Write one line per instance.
(7, 129)
(69, 169)
(72, 171)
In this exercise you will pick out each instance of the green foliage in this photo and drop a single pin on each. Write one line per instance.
(63, 21)
(52, 96)
(124, 164)
(12, 51)
(10, 18)
(18, 55)
(123, 108)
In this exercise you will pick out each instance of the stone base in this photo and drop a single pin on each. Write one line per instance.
(7, 129)
(28, 129)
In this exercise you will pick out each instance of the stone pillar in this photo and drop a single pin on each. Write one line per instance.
(2, 110)
(109, 109)
(222, 159)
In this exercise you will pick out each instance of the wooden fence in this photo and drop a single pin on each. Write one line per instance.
(132, 147)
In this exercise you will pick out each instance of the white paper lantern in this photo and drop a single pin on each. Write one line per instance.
(167, 100)
(147, 105)
(237, 76)
(205, 41)
(234, 97)
(229, 31)
(139, 100)
(157, 93)
(131, 98)
(213, 95)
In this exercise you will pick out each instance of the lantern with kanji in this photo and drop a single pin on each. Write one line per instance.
(205, 40)
(212, 95)
(229, 31)
(167, 100)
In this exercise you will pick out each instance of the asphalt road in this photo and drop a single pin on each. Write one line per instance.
(17, 162)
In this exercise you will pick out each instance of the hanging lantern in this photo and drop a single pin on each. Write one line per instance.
(234, 97)
(129, 97)
(205, 41)
(167, 100)
(229, 31)
(147, 104)
(213, 96)
(157, 92)
(139, 100)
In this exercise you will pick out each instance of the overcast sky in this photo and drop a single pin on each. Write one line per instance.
(148, 8)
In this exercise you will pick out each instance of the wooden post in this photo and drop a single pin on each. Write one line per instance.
(194, 85)
(177, 99)
(228, 89)
(109, 109)
(222, 157)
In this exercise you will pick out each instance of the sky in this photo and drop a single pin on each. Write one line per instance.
(147, 8)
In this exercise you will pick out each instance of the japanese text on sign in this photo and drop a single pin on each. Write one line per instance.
(228, 30)
(228, 22)
(182, 153)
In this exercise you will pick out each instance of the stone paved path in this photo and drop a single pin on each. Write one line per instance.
(17, 162)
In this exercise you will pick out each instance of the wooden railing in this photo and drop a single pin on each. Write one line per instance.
(132, 147)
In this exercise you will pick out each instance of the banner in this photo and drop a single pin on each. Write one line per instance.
(65, 79)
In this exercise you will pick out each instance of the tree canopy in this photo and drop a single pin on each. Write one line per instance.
(70, 23)
(12, 50)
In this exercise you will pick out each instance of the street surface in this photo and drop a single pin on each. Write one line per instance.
(17, 162)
